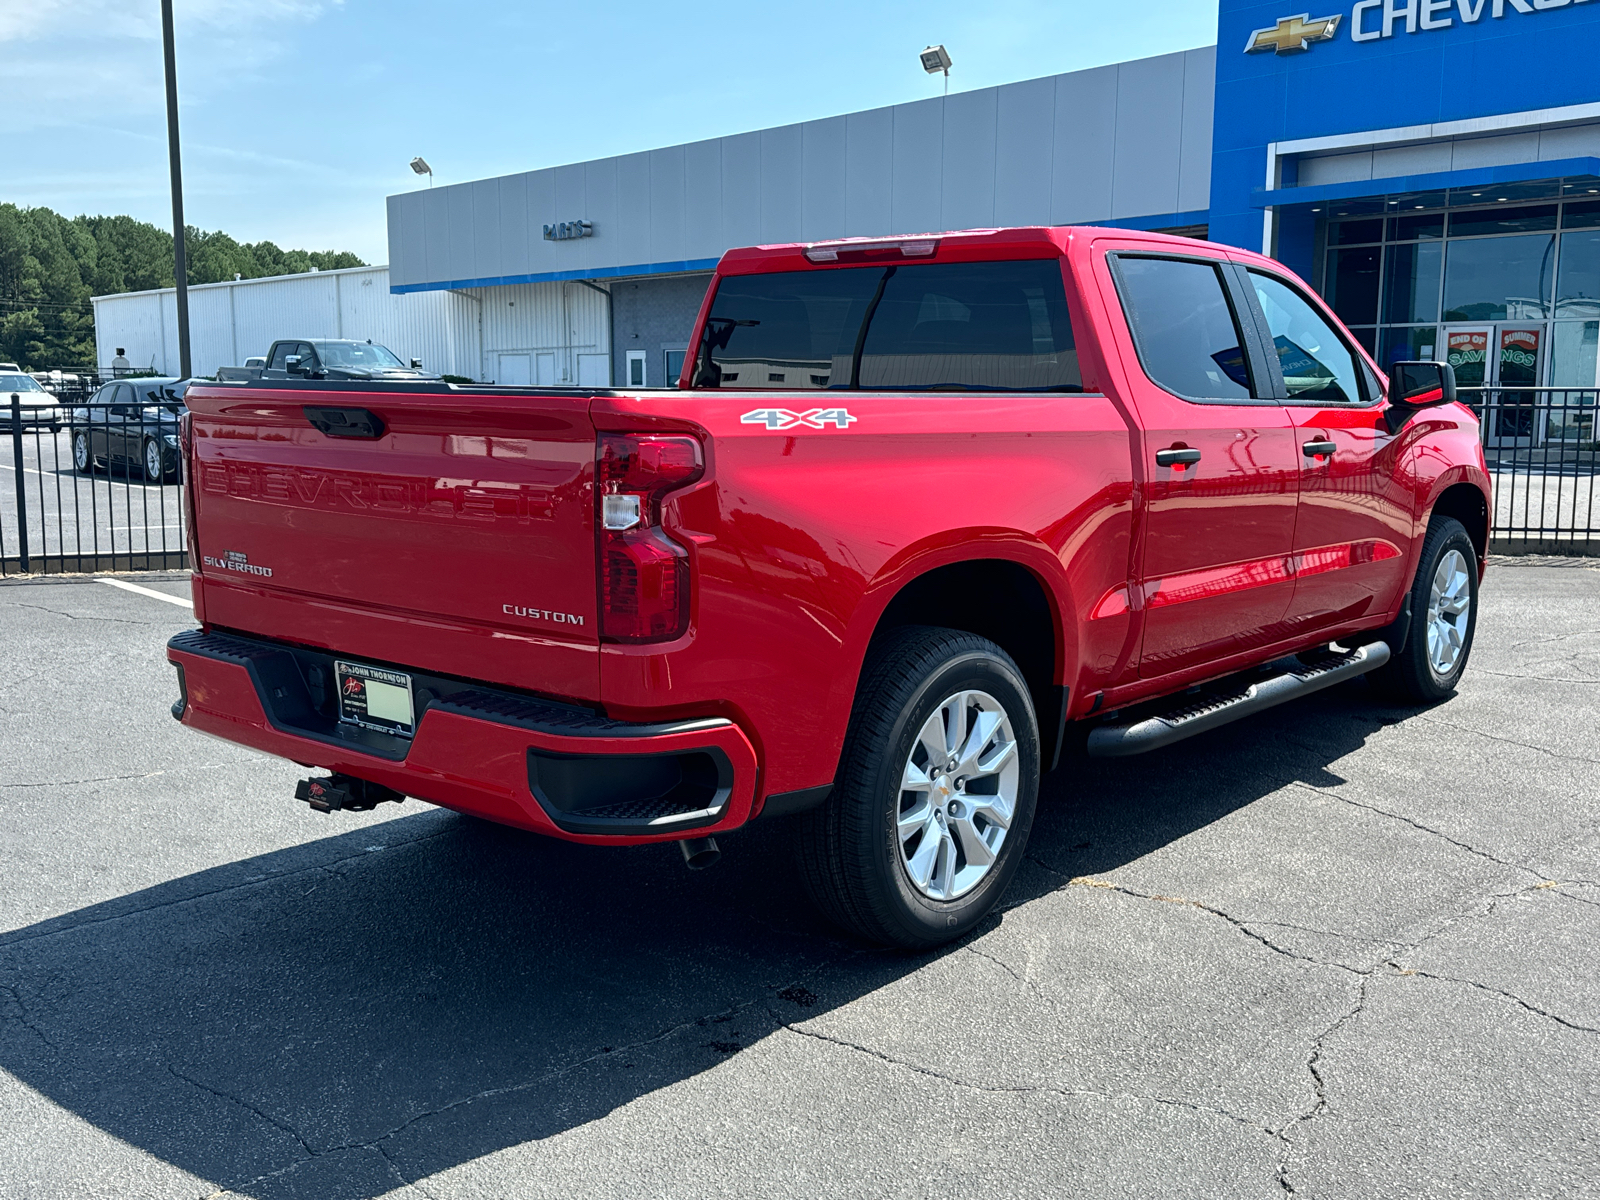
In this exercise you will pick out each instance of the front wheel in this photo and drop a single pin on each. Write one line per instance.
(1444, 618)
(82, 457)
(935, 793)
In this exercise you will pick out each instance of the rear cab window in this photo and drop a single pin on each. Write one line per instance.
(983, 326)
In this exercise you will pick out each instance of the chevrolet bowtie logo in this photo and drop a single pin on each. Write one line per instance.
(1291, 35)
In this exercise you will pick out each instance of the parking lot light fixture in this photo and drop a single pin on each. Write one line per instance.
(936, 59)
(421, 167)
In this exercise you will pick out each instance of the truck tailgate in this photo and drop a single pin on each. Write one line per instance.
(458, 539)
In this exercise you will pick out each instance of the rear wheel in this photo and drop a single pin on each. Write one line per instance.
(1444, 619)
(935, 793)
(82, 459)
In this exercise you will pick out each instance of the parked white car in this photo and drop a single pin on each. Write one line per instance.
(37, 404)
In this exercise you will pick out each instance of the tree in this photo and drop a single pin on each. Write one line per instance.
(50, 266)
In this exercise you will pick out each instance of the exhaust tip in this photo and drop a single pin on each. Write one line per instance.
(699, 853)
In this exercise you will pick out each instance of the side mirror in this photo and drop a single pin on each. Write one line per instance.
(292, 364)
(1421, 384)
(416, 364)
(1417, 385)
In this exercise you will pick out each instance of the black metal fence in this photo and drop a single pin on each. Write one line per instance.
(1541, 449)
(98, 487)
(93, 487)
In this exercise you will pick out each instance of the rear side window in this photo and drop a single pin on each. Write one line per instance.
(1185, 329)
(1318, 367)
(995, 326)
(972, 326)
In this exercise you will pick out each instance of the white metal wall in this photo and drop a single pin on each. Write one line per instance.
(228, 322)
(547, 334)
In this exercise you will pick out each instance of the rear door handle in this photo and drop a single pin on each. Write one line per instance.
(1177, 457)
(1319, 449)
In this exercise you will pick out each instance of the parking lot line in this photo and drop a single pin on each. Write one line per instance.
(144, 591)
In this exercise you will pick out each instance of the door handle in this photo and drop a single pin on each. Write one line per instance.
(1177, 457)
(1319, 449)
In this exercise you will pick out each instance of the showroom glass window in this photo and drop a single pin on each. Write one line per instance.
(1507, 280)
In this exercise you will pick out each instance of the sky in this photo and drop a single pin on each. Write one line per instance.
(299, 116)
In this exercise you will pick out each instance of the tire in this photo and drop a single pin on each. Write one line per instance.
(1444, 619)
(82, 459)
(858, 852)
(154, 461)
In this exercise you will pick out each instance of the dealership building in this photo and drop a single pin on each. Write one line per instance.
(1432, 166)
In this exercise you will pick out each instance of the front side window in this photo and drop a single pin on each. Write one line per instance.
(281, 353)
(993, 326)
(1184, 327)
(1318, 367)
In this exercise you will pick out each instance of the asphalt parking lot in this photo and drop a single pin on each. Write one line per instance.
(1337, 951)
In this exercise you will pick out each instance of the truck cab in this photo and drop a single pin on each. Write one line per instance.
(329, 358)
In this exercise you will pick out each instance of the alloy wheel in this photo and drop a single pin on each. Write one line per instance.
(1449, 608)
(80, 451)
(958, 793)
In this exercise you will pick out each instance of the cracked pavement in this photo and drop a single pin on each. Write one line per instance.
(1339, 950)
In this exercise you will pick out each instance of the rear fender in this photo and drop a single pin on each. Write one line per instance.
(950, 549)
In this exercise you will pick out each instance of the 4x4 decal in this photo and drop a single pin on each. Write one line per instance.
(783, 418)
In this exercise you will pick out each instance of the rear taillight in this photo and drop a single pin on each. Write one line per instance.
(644, 574)
(188, 482)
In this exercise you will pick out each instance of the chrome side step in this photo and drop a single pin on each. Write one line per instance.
(1226, 704)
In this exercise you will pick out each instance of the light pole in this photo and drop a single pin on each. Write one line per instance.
(180, 258)
(421, 167)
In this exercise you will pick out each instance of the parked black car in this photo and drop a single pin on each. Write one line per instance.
(131, 423)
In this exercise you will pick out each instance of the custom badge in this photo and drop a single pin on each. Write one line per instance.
(813, 418)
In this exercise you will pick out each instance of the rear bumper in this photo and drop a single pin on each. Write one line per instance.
(507, 757)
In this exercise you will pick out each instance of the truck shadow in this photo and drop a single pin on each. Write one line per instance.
(385, 1004)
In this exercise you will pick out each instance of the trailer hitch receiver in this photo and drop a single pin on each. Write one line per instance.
(344, 793)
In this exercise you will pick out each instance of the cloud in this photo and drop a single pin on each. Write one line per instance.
(75, 61)
(35, 19)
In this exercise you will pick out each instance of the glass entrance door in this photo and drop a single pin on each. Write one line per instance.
(1502, 359)
(1519, 362)
(1467, 350)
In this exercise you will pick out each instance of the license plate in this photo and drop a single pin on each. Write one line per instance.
(375, 698)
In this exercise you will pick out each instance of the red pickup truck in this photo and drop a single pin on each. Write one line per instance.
(921, 512)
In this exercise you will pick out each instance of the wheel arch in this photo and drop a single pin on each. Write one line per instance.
(1467, 502)
(1004, 600)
